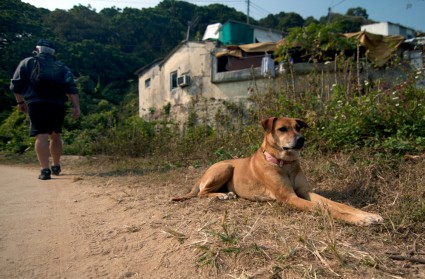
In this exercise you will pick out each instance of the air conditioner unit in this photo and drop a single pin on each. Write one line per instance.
(183, 80)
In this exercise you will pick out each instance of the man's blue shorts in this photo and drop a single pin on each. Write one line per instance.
(46, 118)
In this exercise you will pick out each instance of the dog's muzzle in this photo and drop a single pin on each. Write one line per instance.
(297, 143)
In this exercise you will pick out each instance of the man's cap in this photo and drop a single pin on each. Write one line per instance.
(46, 43)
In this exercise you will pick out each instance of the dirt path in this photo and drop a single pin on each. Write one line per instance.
(69, 227)
(37, 230)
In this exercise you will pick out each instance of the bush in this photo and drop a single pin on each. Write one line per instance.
(14, 133)
(391, 120)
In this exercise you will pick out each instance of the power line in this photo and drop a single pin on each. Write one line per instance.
(267, 12)
(340, 2)
(261, 12)
(333, 6)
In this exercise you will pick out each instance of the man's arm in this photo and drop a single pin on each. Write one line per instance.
(75, 105)
(72, 93)
(21, 103)
(19, 83)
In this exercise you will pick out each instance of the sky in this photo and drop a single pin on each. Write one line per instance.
(409, 13)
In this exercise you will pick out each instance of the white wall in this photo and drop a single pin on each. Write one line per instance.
(191, 58)
(377, 28)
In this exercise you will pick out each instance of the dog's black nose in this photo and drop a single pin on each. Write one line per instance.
(299, 142)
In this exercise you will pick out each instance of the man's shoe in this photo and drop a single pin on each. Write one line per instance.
(56, 170)
(45, 174)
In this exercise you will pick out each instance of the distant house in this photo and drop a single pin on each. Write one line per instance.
(389, 29)
(211, 69)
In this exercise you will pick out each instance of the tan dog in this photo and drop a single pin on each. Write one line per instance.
(274, 173)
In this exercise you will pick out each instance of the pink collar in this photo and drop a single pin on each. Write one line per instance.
(274, 160)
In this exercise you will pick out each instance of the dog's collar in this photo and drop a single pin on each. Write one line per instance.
(275, 161)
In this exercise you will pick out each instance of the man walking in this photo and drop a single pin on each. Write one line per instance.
(41, 85)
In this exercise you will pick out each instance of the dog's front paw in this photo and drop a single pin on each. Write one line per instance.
(369, 219)
(231, 195)
(228, 196)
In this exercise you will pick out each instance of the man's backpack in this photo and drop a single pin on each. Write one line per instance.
(48, 77)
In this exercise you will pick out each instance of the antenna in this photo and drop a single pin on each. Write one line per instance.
(190, 25)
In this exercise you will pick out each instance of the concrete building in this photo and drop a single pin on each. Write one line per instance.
(192, 71)
(207, 70)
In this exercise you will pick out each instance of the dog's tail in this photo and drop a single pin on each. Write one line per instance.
(192, 194)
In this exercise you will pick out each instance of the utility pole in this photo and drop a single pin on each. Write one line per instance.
(247, 11)
(329, 14)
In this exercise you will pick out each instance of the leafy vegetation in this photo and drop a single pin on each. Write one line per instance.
(385, 120)
(315, 43)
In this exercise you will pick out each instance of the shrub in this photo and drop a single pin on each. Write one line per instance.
(383, 120)
(391, 120)
(14, 135)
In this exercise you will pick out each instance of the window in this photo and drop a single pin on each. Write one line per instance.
(173, 80)
(148, 83)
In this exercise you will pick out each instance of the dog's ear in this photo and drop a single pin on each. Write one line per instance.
(268, 124)
(301, 123)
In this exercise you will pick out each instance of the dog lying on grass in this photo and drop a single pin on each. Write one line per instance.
(274, 173)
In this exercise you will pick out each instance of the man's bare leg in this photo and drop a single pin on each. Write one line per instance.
(42, 150)
(43, 153)
(55, 148)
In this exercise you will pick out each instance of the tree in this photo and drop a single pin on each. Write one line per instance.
(270, 21)
(350, 22)
(78, 24)
(220, 13)
(180, 10)
(309, 20)
(357, 12)
(283, 21)
(110, 13)
(317, 42)
(346, 23)
(290, 20)
(20, 28)
(19, 21)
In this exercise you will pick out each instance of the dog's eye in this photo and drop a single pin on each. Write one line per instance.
(283, 129)
(298, 128)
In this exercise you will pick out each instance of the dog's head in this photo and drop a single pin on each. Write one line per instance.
(282, 137)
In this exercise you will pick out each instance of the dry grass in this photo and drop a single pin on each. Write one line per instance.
(244, 239)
